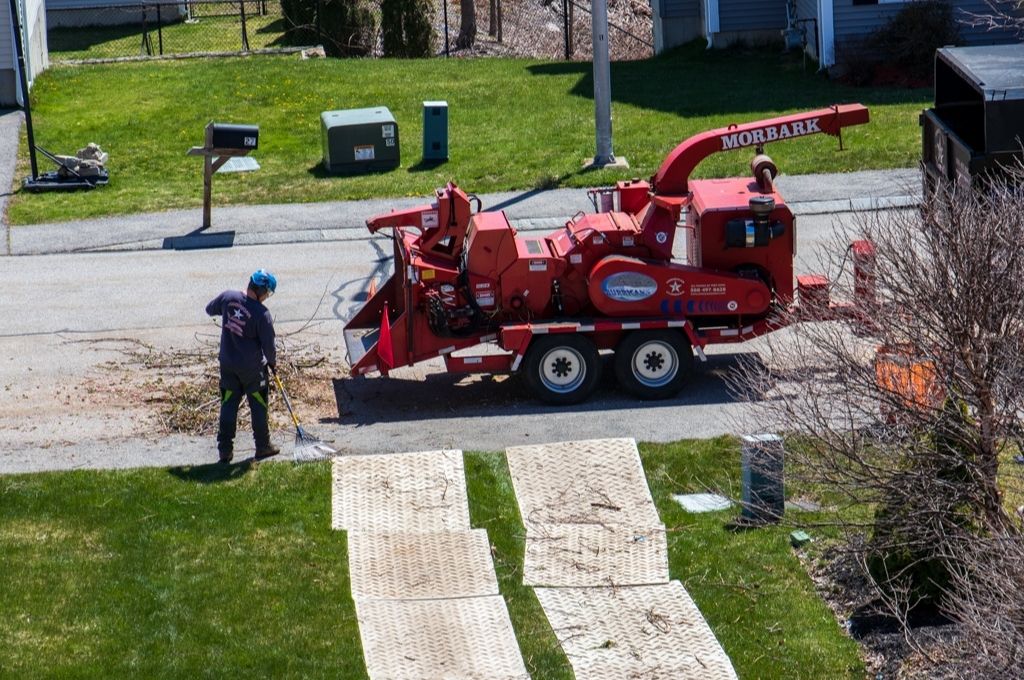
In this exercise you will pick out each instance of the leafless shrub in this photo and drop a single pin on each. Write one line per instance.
(908, 418)
(987, 600)
(1002, 15)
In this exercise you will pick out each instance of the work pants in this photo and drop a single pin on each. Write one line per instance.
(255, 387)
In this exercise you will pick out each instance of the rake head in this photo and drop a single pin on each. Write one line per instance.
(310, 448)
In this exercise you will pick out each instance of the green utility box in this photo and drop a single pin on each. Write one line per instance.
(359, 140)
(435, 131)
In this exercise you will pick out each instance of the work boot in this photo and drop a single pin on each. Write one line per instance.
(267, 451)
(226, 454)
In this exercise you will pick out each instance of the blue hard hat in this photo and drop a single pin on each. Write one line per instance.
(264, 279)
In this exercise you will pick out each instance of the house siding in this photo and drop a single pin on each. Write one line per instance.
(35, 47)
(680, 9)
(751, 15)
(855, 23)
(808, 9)
(6, 37)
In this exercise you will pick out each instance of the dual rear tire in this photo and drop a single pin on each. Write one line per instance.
(653, 364)
(565, 368)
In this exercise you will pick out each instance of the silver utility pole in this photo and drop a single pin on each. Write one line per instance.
(602, 89)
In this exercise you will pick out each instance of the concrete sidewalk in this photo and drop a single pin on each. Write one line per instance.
(345, 220)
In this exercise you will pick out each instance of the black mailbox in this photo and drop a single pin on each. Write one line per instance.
(232, 136)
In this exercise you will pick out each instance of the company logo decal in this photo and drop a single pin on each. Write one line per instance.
(770, 134)
(629, 286)
(675, 287)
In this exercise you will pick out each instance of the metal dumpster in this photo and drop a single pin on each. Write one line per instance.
(976, 128)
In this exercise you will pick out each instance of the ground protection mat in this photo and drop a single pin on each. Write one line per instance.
(594, 555)
(422, 580)
(464, 639)
(407, 492)
(589, 516)
(652, 632)
(599, 481)
(420, 566)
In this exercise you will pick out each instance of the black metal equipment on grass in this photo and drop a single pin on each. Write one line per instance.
(66, 177)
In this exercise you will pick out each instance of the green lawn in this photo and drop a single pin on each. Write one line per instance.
(218, 30)
(514, 124)
(213, 572)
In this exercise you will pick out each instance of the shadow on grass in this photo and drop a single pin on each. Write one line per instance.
(214, 473)
(83, 39)
(426, 165)
(736, 80)
(320, 172)
(276, 26)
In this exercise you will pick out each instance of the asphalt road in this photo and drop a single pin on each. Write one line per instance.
(66, 314)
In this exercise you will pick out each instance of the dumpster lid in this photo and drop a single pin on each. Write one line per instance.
(997, 71)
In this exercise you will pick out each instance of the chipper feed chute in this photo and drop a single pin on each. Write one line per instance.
(371, 337)
(388, 332)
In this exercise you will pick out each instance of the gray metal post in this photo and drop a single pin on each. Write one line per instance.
(602, 85)
(602, 90)
(565, 26)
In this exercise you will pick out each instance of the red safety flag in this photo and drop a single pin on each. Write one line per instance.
(385, 352)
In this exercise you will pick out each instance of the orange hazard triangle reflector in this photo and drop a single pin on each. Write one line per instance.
(385, 352)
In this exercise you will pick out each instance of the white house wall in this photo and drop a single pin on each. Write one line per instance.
(38, 56)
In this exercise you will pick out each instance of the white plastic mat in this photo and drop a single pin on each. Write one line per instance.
(420, 566)
(593, 555)
(405, 492)
(423, 581)
(457, 639)
(598, 481)
(651, 632)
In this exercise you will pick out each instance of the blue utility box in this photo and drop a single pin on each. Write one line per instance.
(435, 131)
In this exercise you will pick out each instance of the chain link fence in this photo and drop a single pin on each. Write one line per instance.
(548, 29)
(201, 27)
(544, 29)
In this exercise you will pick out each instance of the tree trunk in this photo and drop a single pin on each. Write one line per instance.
(467, 26)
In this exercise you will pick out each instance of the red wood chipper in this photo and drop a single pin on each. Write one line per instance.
(547, 305)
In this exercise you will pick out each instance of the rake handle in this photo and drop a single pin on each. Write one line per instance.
(287, 401)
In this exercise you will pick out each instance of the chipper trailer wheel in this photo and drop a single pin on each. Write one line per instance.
(563, 368)
(653, 364)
